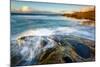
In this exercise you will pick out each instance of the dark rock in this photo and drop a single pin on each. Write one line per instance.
(67, 59)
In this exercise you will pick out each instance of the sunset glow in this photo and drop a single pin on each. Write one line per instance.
(25, 9)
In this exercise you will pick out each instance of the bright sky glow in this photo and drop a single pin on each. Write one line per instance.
(17, 5)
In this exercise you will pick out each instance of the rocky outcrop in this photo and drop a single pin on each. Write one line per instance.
(52, 50)
(90, 15)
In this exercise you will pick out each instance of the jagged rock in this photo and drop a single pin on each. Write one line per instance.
(52, 49)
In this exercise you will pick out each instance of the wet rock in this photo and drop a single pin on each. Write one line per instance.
(44, 42)
(51, 56)
(67, 60)
(83, 50)
(52, 50)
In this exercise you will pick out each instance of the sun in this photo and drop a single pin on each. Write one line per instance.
(24, 8)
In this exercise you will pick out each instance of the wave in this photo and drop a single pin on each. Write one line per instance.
(58, 31)
(48, 32)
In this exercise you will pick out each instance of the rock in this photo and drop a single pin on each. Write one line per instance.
(81, 49)
(53, 50)
(51, 56)
(67, 60)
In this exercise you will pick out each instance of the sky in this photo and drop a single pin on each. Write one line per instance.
(53, 7)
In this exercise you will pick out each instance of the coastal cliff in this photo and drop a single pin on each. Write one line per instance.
(88, 15)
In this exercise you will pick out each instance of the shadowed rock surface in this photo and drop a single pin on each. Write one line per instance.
(51, 49)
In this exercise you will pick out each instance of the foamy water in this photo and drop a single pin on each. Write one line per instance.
(48, 25)
(32, 35)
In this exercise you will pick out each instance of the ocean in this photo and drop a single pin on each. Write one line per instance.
(33, 35)
(49, 25)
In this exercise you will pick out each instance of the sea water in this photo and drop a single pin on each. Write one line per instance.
(37, 29)
(49, 25)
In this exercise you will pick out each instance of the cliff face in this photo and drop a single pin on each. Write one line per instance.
(90, 15)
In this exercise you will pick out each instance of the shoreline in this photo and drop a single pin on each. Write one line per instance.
(86, 22)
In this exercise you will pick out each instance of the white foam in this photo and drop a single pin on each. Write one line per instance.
(57, 31)
(48, 31)
(65, 30)
(37, 32)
